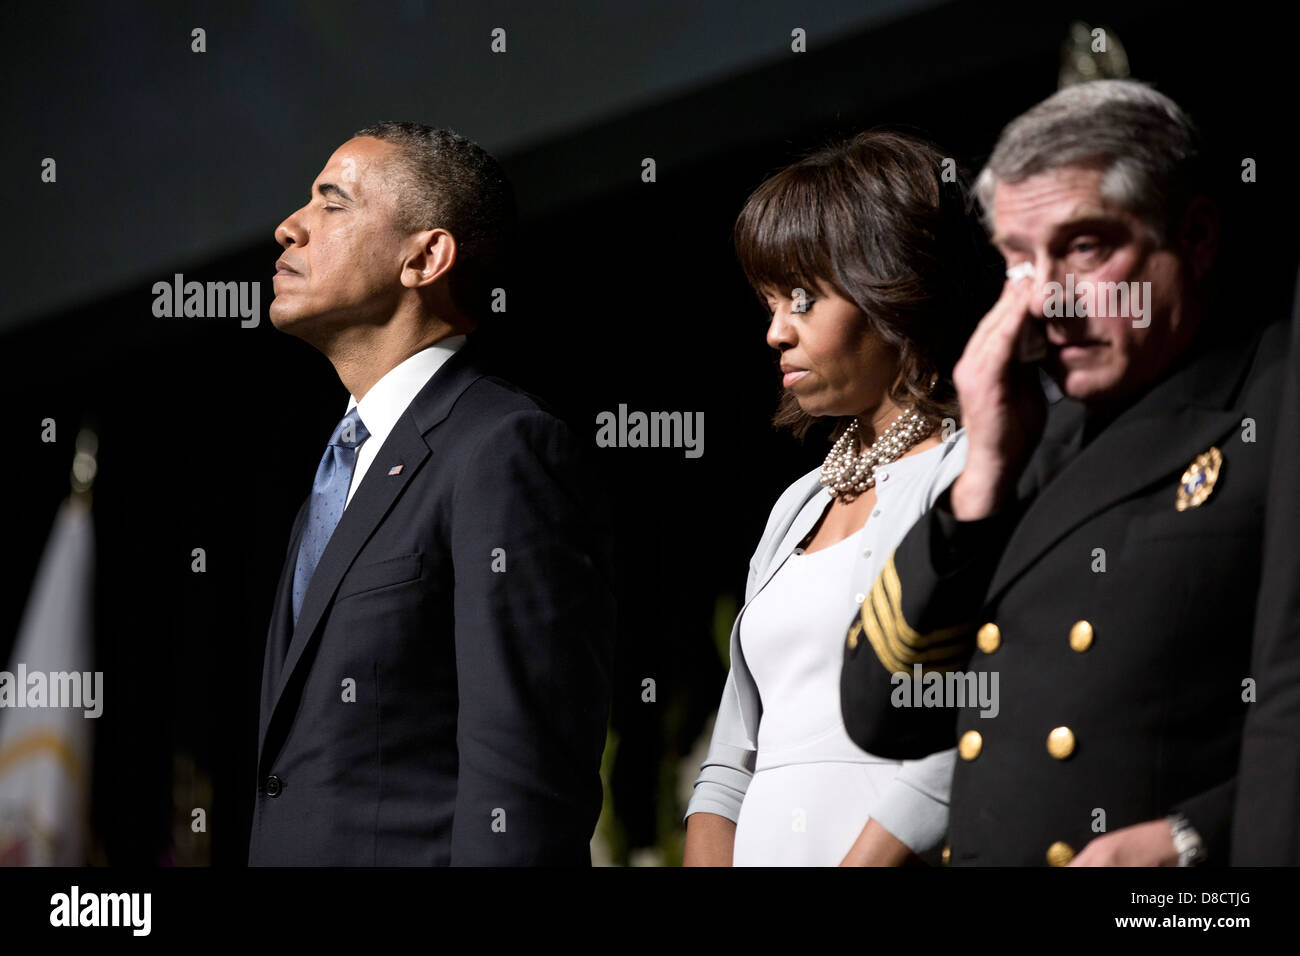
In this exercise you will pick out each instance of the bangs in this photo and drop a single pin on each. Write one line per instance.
(781, 234)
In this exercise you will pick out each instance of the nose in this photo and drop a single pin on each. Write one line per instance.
(1048, 284)
(290, 232)
(780, 330)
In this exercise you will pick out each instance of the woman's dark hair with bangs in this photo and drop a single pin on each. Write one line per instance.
(885, 219)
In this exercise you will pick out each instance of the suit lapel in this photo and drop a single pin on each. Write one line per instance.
(281, 629)
(1160, 434)
(407, 446)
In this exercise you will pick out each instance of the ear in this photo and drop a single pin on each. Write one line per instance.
(434, 255)
(1198, 237)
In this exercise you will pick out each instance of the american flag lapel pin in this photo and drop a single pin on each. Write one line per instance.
(395, 470)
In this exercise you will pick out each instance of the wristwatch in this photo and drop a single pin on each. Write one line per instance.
(1188, 843)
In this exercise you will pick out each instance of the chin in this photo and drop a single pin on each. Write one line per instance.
(812, 408)
(1087, 384)
(283, 318)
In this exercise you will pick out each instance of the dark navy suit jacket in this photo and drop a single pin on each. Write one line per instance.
(443, 698)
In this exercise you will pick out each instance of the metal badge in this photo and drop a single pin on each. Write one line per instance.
(1198, 480)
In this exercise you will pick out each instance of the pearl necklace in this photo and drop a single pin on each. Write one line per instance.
(849, 474)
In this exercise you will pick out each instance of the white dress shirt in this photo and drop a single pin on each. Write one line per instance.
(388, 398)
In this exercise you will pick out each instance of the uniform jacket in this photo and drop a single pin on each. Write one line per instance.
(1118, 626)
(466, 603)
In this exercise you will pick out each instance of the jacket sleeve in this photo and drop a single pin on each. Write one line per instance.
(914, 807)
(729, 764)
(921, 613)
(1210, 814)
(534, 623)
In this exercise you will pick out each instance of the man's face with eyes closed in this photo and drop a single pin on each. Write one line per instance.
(344, 246)
(1059, 222)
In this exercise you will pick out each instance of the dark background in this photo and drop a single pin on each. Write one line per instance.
(171, 161)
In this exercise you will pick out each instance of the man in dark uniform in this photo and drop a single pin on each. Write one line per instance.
(1266, 826)
(1099, 558)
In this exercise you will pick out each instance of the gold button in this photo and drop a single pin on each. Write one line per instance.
(1060, 742)
(853, 634)
(989, 638)
(970, 744)
(1081, 636)
(947, 856)
(1059, 854)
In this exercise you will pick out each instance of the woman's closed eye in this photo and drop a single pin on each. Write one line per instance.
(799, 302)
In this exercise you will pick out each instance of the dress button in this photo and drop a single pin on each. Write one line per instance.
(1059, 854)
(989, 638)
(866, 553)
(1060, 742)
(1081, 636)
(970, 745)
(859, 598)
(876, 513)
(273, 786)
(882, 474)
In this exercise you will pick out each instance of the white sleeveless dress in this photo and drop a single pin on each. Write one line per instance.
(812, 788)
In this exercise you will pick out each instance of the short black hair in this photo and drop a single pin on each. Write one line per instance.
(452, 183)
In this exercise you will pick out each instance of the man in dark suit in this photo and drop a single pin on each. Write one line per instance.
(436, 681)
(1099, 559)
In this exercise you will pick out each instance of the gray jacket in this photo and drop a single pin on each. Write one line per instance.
(915, 806)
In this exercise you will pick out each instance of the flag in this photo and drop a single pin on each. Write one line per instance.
(45, 750)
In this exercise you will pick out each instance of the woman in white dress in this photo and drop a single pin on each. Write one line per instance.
(874, 275)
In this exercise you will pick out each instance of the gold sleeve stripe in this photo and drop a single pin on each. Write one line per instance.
(898, 645)
(879, 643)
(894, 589)
(886, 649)
(878, 619)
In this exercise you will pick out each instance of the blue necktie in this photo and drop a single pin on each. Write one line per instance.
(329, 493)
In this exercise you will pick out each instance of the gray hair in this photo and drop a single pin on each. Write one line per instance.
(1148, 148)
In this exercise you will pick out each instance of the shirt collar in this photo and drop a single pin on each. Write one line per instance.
(389, 397)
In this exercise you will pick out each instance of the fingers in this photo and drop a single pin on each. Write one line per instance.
(1012, 303)
(1005, 333)
(993, 344)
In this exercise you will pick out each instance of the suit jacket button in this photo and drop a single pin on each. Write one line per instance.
(989, 638)
(1060, 742)
(273, 786)
(1081, 636)
(970, 745)
(1059, 854)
